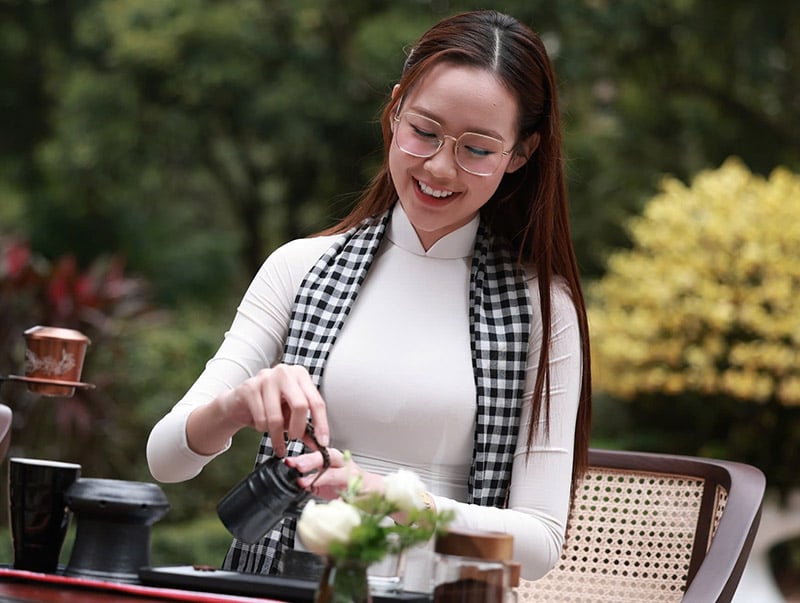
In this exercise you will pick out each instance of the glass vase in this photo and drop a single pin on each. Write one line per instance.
(344, 582)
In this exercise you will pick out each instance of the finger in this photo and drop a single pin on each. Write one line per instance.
(271, 400)
(294, 406)
(312, 461)
(328, 484)
(311, 441)
(319, 412)
(255, 404)
(243, 405)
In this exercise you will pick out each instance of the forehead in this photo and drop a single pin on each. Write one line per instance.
(465, 98)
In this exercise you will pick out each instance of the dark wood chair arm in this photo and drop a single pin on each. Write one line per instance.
(731, 545)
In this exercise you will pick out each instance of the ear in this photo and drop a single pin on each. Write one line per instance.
(394, 98)
(525, 149)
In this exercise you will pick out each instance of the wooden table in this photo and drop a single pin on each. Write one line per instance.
(23, 592)
(30, 587)
(18, 586)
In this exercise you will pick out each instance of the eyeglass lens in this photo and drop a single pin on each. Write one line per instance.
(421, 136)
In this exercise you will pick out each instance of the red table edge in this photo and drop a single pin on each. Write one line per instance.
(134, 589)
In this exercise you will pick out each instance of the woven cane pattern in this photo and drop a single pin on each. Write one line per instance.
(719, 508)
(629, 539)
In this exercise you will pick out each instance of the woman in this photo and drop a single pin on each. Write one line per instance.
(439, 327)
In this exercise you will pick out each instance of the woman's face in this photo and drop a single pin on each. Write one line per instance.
(436, 193)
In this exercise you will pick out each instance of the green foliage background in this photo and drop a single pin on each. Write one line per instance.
(189, 138)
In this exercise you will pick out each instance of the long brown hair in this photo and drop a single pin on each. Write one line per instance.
(529, 208)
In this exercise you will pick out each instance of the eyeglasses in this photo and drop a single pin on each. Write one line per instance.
(420, 136)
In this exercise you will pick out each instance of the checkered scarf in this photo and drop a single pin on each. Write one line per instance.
(500, 320)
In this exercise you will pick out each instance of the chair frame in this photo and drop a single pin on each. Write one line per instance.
(714, 574)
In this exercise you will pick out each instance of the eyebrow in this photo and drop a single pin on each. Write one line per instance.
(424, 112)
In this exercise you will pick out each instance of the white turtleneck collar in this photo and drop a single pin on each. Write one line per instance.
(455, 245)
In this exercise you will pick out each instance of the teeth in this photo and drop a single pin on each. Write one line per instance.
(433, 192)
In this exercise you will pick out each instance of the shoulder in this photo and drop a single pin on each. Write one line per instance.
(290, 262)
(302, 253)
(562, 307)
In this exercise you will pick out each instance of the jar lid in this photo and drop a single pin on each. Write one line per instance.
(492, 546)
(118, 500)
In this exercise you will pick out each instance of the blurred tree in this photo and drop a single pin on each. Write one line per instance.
(217, 125)
(196, 136)
(666, 87)
(191, 137)
(696, 326)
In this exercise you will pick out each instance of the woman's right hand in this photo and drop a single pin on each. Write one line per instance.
(277, 400)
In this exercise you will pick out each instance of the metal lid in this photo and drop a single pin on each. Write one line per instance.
(492, 546)
(40, 332)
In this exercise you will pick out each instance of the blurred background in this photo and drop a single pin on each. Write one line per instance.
(153, 153)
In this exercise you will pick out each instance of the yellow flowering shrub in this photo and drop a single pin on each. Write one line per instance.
(707, 300)
(697, 325)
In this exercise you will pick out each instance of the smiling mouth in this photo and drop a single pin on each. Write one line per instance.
(432, 192)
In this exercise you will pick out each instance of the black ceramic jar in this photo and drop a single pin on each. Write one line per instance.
(112, 538)
(257, 503)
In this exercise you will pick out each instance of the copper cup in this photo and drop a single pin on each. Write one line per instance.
(54, 359)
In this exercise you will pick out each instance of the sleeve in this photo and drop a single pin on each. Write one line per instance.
(539, 497)
(253, 342)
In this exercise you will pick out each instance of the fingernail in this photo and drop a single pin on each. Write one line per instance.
(325, 440)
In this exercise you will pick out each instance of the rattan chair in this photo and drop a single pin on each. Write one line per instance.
(654, 527)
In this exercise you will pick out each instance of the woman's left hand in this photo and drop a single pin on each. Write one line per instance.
(333, 480)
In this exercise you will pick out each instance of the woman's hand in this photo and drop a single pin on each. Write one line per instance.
(276, 400)
(333, 480)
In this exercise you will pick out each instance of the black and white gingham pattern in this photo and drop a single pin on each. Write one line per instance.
(500, 320)
(321, 305)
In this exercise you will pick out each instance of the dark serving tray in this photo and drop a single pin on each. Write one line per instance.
(293, 590)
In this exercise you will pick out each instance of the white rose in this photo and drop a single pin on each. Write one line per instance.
(404, 489)
(320, 525)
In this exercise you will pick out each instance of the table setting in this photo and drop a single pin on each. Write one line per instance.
(353, 549)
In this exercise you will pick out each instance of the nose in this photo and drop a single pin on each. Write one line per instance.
(443, 164)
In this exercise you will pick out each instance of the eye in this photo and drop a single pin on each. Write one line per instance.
(477, 146)
(477, 152)
(423, 133)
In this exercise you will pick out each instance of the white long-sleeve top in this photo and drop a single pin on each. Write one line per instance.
(399, 383)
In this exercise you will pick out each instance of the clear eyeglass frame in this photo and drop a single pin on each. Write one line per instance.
(428, 127)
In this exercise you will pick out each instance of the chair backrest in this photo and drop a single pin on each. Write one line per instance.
(6, 417)
(655, 527)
